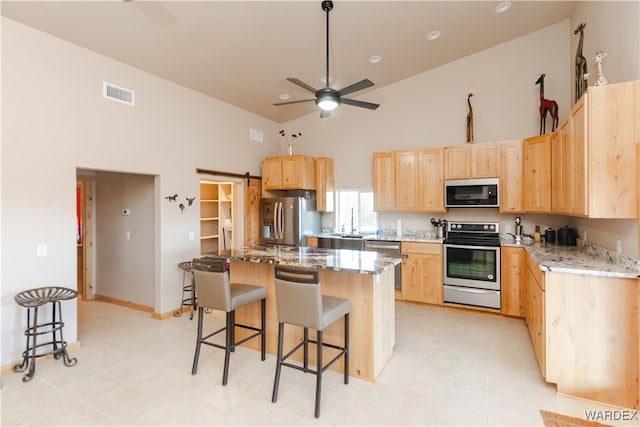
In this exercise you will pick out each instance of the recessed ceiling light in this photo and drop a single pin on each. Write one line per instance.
(285, 96)
(503, 7)
(433, 35)
(375, 59)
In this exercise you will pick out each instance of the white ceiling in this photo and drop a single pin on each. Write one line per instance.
(241, 51)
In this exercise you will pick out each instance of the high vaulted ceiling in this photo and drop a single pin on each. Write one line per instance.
(241, 51)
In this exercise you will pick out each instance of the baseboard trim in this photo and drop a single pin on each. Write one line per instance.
(123, 303)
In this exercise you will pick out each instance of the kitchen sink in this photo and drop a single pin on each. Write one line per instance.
(350, 235)
(336, 241)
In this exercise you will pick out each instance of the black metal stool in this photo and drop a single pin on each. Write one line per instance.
(188, 290)
(33, 299)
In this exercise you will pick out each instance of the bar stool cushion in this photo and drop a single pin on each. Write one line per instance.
(333, 308)
(242, 294)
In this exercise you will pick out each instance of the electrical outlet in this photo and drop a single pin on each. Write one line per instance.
(42, 250)
(619, 247)
(507, 228)
(584, 235)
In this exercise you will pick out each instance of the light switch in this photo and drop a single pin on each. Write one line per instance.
(192, 235)
(42, 250)
(128, 235)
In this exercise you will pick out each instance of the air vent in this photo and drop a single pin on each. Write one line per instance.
(116, 93)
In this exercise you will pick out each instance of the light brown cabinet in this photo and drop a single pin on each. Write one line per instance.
(471, 161)
(537, 173)
(510, 174)
(513, 264)
(431, 179)
(422, 272)
(409, 180)
(536, 319)
(560, 176)
(407, 177)
(585, 329)
(592, 337)
(384, 181)
(325, 185)
(597, 168)
(296, 172)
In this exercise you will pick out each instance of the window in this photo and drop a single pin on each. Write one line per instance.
(356, 207)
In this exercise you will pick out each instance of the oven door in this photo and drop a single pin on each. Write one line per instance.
(472, 266)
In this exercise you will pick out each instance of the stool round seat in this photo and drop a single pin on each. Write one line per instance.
(32, 300)
(189, 298)
(40, 296)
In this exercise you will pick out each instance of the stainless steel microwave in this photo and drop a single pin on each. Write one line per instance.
(472, 193)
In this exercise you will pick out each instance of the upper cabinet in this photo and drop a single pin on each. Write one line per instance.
(384, 181)
(296, 172)
(325, 185)
(431, 179)
(411, 180)
(604, 130)
(471, 161)
(510, 174)
(594, 168)
(537, 173)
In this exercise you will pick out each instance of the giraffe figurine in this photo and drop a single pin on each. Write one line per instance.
(546, 106)
(470, 120)
(601, 80)
(581, 64)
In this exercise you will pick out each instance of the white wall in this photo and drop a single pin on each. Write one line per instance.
(124, 244)
(430, 109)
(55, 120)
(613, 28)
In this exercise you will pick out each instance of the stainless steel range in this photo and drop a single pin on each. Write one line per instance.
(472, 264)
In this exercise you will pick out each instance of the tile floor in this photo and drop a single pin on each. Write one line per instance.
(450, 367)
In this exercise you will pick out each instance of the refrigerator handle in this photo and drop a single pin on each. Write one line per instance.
(275, 219)
(281, 221)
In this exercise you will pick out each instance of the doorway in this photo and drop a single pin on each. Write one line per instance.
(116, 231)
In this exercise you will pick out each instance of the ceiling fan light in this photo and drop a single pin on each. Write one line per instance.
(327, 103)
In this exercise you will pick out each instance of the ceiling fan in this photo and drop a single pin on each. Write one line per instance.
(328, 98)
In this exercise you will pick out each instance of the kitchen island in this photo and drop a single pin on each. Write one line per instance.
(364, 278)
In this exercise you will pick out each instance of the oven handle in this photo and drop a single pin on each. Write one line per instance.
(475, 290)
(490, 248)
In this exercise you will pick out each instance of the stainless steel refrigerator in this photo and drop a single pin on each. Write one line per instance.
(287, 220)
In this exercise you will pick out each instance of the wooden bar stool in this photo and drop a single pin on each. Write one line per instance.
(32, 300)
(301, 303)
(216, 292)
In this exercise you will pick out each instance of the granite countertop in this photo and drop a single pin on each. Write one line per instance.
(582, 259)
(406, 237)
(317, 258)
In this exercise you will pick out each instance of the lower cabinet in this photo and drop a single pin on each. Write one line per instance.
(513, 262)
(585, 332)
(422, 272)
(536, 319)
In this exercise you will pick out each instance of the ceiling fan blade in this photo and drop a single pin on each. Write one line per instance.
(301, 84)
(324, 114)
(362, 84)
(294, 102)
(362, 104)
